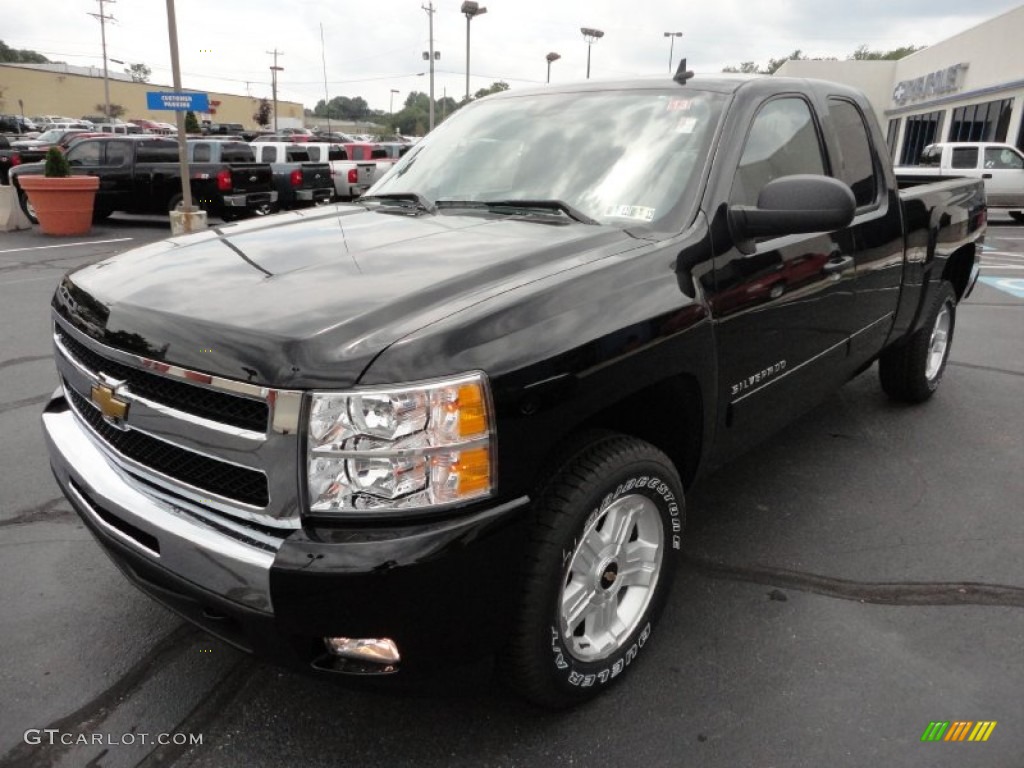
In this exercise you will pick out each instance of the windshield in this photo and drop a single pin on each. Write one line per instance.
(622, 157)
(51, 135)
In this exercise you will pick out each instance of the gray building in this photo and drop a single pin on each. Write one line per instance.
(969, 87)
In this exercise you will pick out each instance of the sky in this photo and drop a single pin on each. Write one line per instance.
(372, 47)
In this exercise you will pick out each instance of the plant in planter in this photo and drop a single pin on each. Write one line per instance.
(63, 203)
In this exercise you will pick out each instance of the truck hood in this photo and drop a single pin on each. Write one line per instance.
(311, 297)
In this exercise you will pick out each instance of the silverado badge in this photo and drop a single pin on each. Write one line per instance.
(114, 410)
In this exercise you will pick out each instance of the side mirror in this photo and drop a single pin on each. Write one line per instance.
(793, 205)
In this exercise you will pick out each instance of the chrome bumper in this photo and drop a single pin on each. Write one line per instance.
(252, 198)
(222, 557)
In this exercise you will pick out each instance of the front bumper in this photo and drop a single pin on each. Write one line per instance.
(443, 590)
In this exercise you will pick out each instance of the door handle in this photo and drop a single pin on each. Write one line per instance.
(986, 175)
(837, 264)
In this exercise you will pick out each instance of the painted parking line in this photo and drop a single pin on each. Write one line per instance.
(6, 283)
(1011, 285)
(67, 245)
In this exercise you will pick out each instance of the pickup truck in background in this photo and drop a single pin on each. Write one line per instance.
(1000, 166)
(460, 416)
(383, 159)
(141, 175)
(351, 178)
(299, 182)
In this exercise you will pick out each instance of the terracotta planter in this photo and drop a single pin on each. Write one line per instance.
(62, 205)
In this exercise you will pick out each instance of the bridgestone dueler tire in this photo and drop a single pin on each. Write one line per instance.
(537, 662)
(903, 370)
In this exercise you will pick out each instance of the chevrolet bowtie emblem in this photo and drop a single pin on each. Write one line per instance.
(114, 411)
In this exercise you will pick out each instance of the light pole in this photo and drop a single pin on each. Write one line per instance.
(391, 104)
(591, 36)
(274, 69)
(103, 19)
(429, 56)
(551, 57)
(672, 41)
(470, 9)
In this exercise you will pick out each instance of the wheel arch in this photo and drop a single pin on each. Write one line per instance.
(959, 267)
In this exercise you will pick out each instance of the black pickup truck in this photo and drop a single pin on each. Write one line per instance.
(300, 183)
(460, 415)
(141, 175)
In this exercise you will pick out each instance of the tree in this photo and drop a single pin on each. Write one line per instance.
(20, 56)
(116, 110)
(139, 73)
(497, 87)
(263, 114)
(863, 54)
(191, 124)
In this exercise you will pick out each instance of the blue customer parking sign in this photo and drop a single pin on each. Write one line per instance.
(178, 102)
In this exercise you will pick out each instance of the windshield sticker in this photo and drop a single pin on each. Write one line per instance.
(631, 212)
(674, 105)
(686, 125)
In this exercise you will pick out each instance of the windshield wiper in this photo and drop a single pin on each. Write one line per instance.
(521, 206)
(419, 202)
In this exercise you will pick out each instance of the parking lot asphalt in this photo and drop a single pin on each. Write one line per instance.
(845, 584)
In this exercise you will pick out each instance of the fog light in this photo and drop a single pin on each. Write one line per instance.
(378, 650)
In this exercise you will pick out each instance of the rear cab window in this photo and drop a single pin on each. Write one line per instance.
(964, 157)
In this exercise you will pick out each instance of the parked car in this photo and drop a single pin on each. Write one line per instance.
(12, 157)
(141, 174)
(383, 158)
(1000, 166)
(461, 416)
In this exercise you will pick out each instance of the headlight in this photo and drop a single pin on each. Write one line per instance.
(400, 448)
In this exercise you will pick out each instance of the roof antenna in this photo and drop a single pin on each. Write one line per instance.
(682, 74)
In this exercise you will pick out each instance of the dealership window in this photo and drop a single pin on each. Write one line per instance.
(981, 122)
(921, 131)
(892, 135)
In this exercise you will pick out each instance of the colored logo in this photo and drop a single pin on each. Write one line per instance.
(114, 410)
(959, 730)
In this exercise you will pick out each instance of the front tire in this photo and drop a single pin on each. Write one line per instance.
(603, 549)
(1017, 216)
(912, 371)
(26, 206)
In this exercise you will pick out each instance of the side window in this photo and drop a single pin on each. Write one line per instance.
(1002, 158)
(856, 165)
(201, 153)
(965, 157)
(156, 152)
(117, 154)
(783, 141)
(932, 156)
(337, 153)
(378, 154)
(268, 154)
(314, 153)
(86, 153)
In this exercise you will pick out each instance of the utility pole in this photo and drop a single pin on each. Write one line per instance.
(103, 18)
(179, 116)
(273, 80)
(429, 8)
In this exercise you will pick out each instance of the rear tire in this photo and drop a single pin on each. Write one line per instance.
(604, 545)
(1017, 216)
(100, 214)
(912, 371)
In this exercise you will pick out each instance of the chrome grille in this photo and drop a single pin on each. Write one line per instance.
(240, 412)
(227, 446)
(231, 481)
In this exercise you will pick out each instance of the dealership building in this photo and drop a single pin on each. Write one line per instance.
(969, 87)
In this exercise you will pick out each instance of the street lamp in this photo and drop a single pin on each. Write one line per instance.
(672, 41)
(551, 57)
(391, 105)
(591, 36)
(470, 9)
